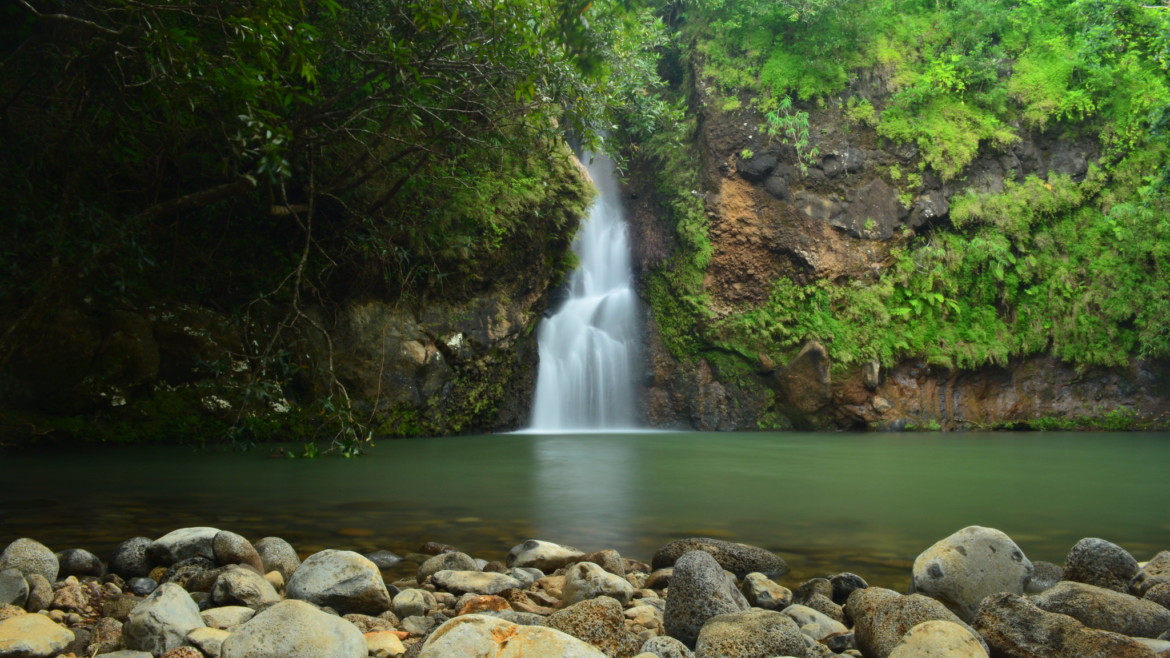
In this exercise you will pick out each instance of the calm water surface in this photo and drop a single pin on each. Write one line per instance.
(868, 503)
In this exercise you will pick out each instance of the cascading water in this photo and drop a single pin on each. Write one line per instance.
(589, 347)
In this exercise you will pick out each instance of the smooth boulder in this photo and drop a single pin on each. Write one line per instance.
(543, 555)
(962, 569)
(162, 620)
(453, 561)
(277, 554)
(699, 590)
(473, 582)
(342, 580)
(13, 587)
(230, 548)
(182, 544)
(739, 559)
(763, 592)
(483, 635)
(294, 629)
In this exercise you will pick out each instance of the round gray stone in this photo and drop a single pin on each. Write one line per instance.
(962, 569)
(699, 590)
(294, 629)
(342, 580)
(129, 558)
(30, 556)
(1102, 563)
(277, 554)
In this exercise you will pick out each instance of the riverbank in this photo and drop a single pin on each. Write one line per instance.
(205, 592)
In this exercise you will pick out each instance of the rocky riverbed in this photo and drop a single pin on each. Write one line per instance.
(205, 592)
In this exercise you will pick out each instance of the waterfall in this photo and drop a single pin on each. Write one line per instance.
(589, 348)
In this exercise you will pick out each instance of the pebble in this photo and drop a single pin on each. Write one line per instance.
(590, 605)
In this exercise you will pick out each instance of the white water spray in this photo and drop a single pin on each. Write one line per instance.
(589, 348)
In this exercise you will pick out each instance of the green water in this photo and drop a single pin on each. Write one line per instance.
(867, 503)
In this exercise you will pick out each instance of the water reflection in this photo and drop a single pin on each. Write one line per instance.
(585, 487)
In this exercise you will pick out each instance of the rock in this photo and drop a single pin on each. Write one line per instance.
(193, 574)
(126, 653)
(243, 586)
(609, 559)
(384, 644)
(368, 624)
(845, 584)
(542, 555)
(74, 596)
(599, 622)
(472, 603)
(814, 623)
(755, 169)
(804, 387)
(963, 568)
(8, 611)
(586, 580)
(410, 602)
(938, 639)
(659, 579)
(79, 562)
(230, 548)
(825, 606)
(295, 629)
(699, 590)
(129, 558)
(32, 636)
(384, 559)
(750, 634)
(1098, 562)
(665, 646)
(483, 635)
(1105, 609)
(762, 592)
(873, 211)
(162, 620)
(813, 587)
(1159, 594)
(107, 635)
(227, 617)
(342, 580)
(1013, 626)
(476, 582)
(418, 626)
(1155, 572)
(208, 640)
(29, 556)
(141, 586)
(881, 617)
(13, 587)
(277, 554)
(1044, 575)
(183, 652)
(740, 559)
(120, 607)
(526, 575)
(454, 561)
(645, 616)
(40, 593)
(181, 544)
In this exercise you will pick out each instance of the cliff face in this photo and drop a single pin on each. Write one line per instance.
(835, 217)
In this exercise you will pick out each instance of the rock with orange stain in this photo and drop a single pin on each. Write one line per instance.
(480, 635)
(483, 603)
(384, 644)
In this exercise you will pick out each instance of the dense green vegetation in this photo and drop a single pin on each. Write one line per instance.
(1076, 268)
(258, 157)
